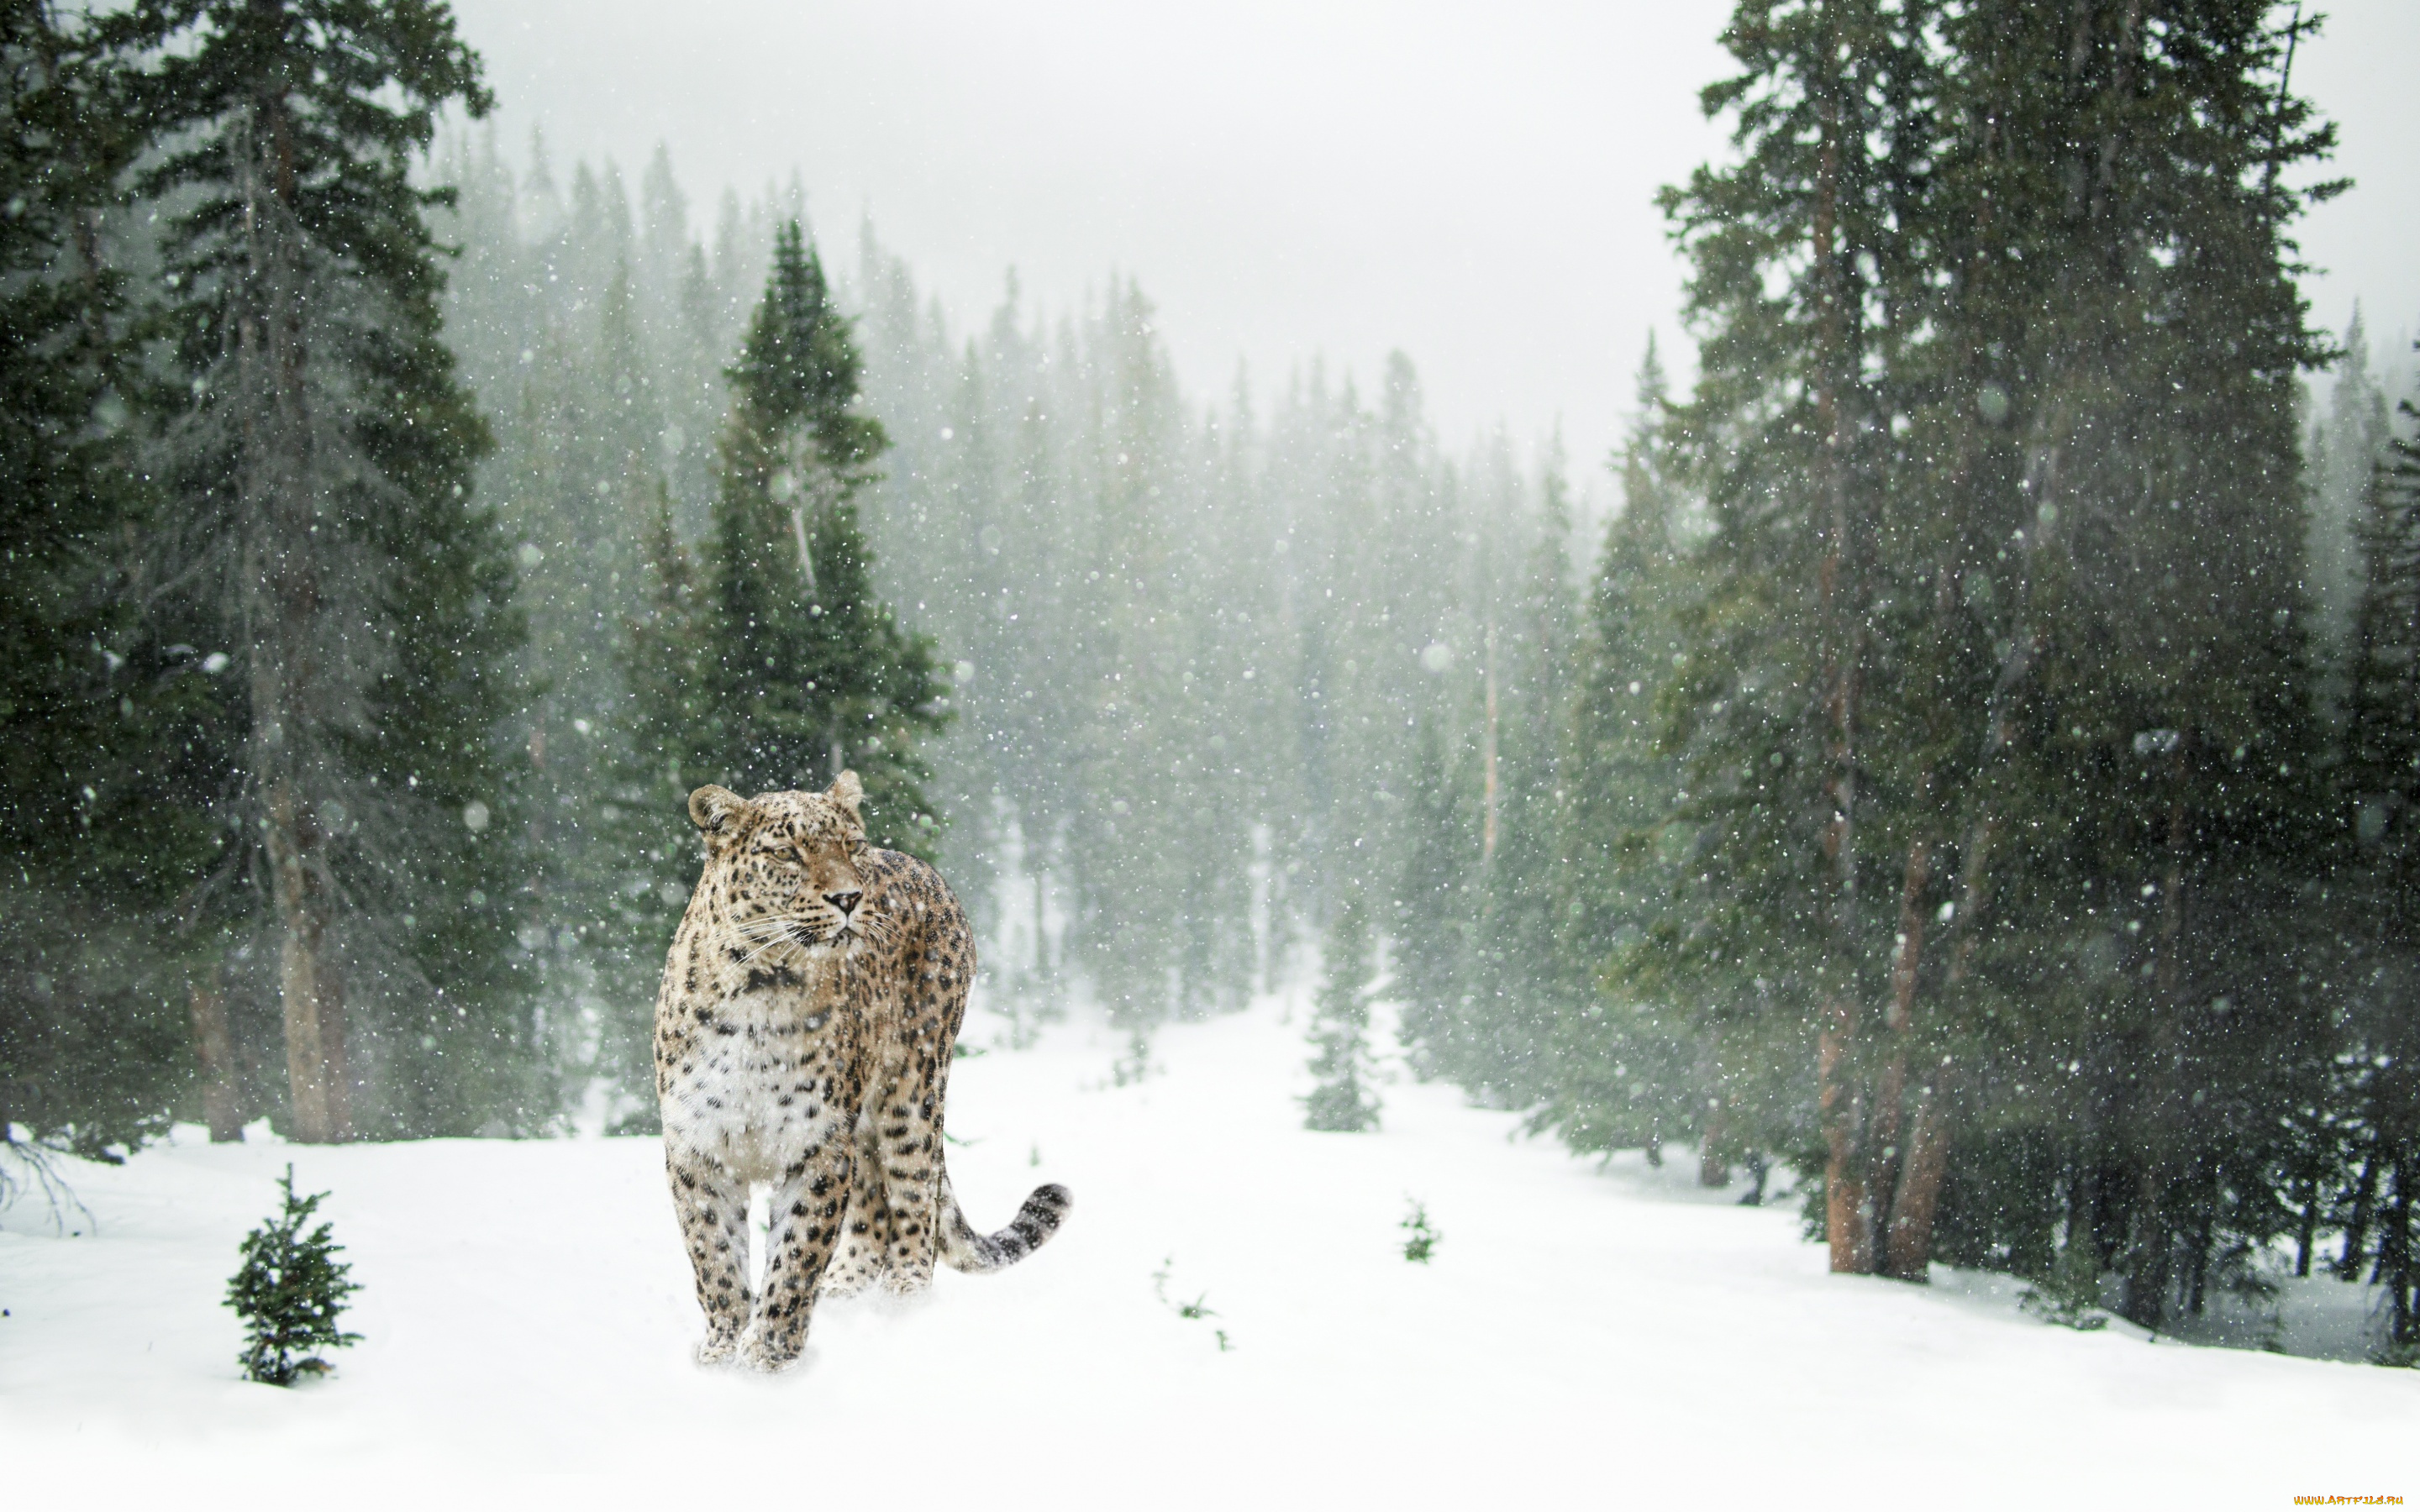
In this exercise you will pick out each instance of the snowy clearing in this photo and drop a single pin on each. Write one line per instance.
(1588, 1337)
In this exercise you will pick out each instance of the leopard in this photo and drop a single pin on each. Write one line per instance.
(805, 1026)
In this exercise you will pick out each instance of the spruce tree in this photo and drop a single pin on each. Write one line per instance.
(806, 669)
(1623, 1061)
(2378, 783)
(108, 719)
(1435, 903)
(1343, 1102)
(644, 822)
(1792, 429)
(2381, 771)
(289, 1291)
(1994, 731)
(320, 467)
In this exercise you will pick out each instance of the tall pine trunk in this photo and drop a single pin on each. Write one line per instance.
(214, 1052)
(1847, 1206)
(2150, 1265)
(1892, 1127)
(1916, 1199)
(287, 539)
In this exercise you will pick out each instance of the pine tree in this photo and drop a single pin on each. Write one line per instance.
(322, 466)
(1435, 902)
(1996, 634)
(2381, 771)
(2379, 783)
(1343, 1102)
(289, 1291)
(1624, 1061)
(1792, 429)
(108, 720)
(2343, 451)
(2139, 801)
(644, 821)
(1528, 615)
(807, 671)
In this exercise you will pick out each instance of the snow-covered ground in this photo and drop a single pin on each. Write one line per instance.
(1582, 1338)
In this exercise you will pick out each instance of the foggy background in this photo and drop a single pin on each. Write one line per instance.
(1472, 184)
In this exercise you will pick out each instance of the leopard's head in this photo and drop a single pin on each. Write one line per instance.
(784, 865)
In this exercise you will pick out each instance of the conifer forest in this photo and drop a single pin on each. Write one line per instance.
(1971, 763)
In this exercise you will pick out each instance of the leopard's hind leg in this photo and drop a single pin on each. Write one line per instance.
(864, 1254)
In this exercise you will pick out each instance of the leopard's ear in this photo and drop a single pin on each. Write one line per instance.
(718, 811)
(849, 792)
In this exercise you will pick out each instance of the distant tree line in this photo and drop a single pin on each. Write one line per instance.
(1176, 653)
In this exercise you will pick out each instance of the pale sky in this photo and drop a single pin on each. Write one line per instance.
(1470, 183)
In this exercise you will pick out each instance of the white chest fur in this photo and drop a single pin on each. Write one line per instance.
(755, 1085)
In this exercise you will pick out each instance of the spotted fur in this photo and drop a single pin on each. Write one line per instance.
(804, 1030)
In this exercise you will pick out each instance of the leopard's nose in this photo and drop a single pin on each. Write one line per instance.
(845, 902)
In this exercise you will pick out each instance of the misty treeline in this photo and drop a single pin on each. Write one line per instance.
(1179, 651)
(375, 665)
(1975, 767)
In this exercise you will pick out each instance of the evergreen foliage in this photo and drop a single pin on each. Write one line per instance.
(1344, 1101)
(2370, 1148)
(97, 801)
(766, 659)
(1987, 815)
(289, 1291)
(2069, 1294)
(319, 460)
(1975, 768)
(1420, 1240)
(807, 671)
(1626, 1063)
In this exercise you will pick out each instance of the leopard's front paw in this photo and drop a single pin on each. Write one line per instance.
(772, 1349)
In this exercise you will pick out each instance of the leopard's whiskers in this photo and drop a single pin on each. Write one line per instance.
(780, 938)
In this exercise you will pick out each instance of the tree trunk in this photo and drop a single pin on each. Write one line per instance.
(1912, 1153)
(1890, 1097)
(2201, 1259)
(307, 979)
(1921, 1171)
(1041, 940)
(2395, 1257)
(289, 571)
(1487, 759)
(1713, 1169)
(2307, 1231)
(214, 1050)
(2150, 1267)
(1847, 1228)
(2356, 1233)
(1848, 1219)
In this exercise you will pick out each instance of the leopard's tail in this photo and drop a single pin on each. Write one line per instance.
(964, 1249)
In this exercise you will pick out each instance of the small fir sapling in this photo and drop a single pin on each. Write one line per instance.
(1420, 1240)
(2069, 1294)
(289, 1291)
(1342, 1101)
